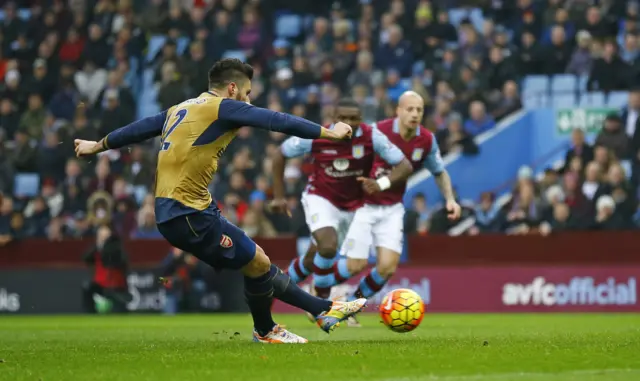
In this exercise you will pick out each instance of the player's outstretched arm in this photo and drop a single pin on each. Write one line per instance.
(292, 147)
(435, 165)
(401, 170)
(132, 133)
(244, 114)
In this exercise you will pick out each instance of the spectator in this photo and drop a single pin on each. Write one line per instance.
(508, 101)
(479, 121)
(558, 54)
(146, 228)
(606, 216)
(579, 148)
(455, 139)
(90, 81)
(614, 137)
(171, 88)
(7, 233)
(609, 72)
(396, 53)
(9, 118)
(592, 186)
(582, 59)
(487, 215)
(529, 58)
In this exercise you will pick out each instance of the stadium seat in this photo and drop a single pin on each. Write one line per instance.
(617, 99)
(456, 15)
(147, 78)
(582, 82)
(239, 54)
(182, 44)
(24, 14)
(564, 100)
(534, 101)
(535, 84)
(477, 19)
(288, 26)
(593, 99)
(155, 45)
(26, 184)
(563, 83)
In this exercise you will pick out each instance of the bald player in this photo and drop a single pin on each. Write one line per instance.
(379, 223)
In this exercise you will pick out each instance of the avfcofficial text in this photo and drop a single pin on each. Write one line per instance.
(579, 291)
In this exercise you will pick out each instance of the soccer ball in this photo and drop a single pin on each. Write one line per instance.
(402, 310)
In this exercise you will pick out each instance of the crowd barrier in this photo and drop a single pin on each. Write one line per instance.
(581, 272)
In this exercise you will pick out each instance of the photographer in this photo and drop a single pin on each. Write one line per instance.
(183, 278)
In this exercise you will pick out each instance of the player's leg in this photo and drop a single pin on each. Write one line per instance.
(300, 268)
(356, 246)
(388, 236)
(323, 219)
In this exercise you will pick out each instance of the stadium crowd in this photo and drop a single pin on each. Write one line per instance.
(74, 69)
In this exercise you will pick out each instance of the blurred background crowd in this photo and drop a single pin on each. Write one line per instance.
(82, 68)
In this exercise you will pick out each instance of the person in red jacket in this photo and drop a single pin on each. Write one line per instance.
(110, 267)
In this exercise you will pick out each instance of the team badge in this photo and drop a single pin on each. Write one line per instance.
(341, 164)
(315, 218)
(226, 241)
(358, 151)
(417, 154)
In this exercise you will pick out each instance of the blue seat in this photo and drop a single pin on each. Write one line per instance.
(239, 54)
(617, 99)
(288, 26)
(24, 14)
(26, 184)
(477, 18)
(563, 83)
(456, 15)
(533, 101)
(564, 100)
(535, 84)
(182, 44)
(593, 99)
(155, 45)
(582, 82)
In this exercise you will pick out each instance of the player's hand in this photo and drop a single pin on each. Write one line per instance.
(340, 131)
(86, 147)
(279, 205)
(453, 210)
(370, 186)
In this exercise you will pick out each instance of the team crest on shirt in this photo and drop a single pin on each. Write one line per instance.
(417, 154)
(341, 164)
(226, 241)
(357, 151)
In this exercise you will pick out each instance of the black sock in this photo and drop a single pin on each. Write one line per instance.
(259, 295)
(289, 292)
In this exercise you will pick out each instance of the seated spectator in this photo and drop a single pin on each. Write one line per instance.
(455, 139)
(7, 232)
(395, 53)
(508, 101)
(614, 137)
(395, 87)
(488, 216)
(582, 58)
(479, 121)
(609, 72)
(592, 186)
(561, 220)
(526, 211)
(578, 148)
(417, 218)
(607, 217)
(581, 207)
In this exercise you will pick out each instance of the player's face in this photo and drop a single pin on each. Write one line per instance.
(240, 91)
(410, 112)
(349, 115)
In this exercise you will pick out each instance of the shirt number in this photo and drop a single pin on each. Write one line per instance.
(181, 114)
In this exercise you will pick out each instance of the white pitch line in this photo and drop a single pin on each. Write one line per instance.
(513, 376)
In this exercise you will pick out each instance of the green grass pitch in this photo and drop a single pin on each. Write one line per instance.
(549, 347)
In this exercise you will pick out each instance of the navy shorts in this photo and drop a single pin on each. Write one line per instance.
(211, 238)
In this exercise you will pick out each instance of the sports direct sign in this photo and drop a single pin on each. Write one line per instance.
(515, 289)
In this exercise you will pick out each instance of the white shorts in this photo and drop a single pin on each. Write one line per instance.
(377, 226)
(320, 213)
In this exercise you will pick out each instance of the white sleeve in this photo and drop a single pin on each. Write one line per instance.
(387, 150)
(295, 147)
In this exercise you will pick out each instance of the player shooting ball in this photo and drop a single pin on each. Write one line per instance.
(336, 188)
(194, 135)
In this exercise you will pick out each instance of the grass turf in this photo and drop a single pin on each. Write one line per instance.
(549, 347)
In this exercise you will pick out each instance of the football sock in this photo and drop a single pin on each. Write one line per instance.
(341, 271)
(370, 284)
(323, 277)
(290, 293)
(259, 293)
(297, 271)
